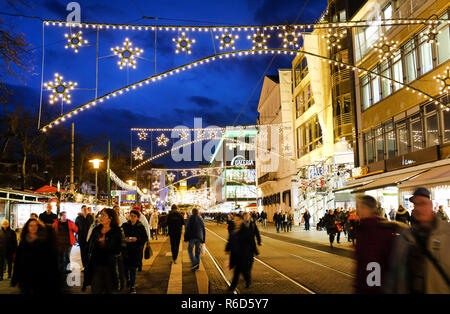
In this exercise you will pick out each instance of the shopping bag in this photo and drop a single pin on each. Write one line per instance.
(148, 250)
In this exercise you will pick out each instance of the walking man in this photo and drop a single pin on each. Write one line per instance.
(83, 222)
(264, 218)
(175, 223)
(48, 217)
(306, 217)
(195, 234)
(8, 246)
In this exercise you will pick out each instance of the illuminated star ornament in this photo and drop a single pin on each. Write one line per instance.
(289, 38)
(184, 173)
(213, 134)
(194, 172)
(184, 135)
(171, 176)
(75, 41)
(162, 140)
(138, 154)
(444, 81)
(158, 172)
(286, 148)
(142, 135)
(227, 40)
(259, 40)
(155, 184)
(60, 89)
(431, 33)
(333, 38)
(385, 48)
(183, 43)
(127, 54)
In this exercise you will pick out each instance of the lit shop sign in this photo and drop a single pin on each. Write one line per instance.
(240, 161)
(321, 170)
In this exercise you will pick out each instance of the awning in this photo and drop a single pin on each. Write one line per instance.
(388, 181)
(434, 176)
(353, 185)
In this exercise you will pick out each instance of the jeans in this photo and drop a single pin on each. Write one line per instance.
(306, 224)
(175, 244)
(131, 276)
(3, 261)
(264, 222)
(284, 226)
(338, 237)
(277, 225)
(332, 237)
(195, 259)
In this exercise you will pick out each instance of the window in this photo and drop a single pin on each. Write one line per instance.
(431, 124)
(379, 142)
(403, 139)
(376, 94)
(443, 49)
(416, 133)
(446, 124)
(397, 70)
(300, 141)
(365, 92)
(304, 100)
(299, 105)
(410, 61)
(390, 139)
(309, 136)
(387, 15)
(386, 89)
(368, 139)
(301, 70)
(426, 57)
(342, 16)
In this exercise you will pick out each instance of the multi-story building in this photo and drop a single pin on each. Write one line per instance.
(403, 135)
(275, 166)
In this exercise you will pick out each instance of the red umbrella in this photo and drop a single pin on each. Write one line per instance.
(48, 189)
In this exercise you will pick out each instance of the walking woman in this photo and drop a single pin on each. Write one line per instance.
(106, 245)
(36, 264)
(241, 248)
(135, 236)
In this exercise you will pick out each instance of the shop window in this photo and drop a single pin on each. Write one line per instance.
(411, 61)
(389, 139)
(443, 49)
(446, 118)
(379, 142)
(426, 57)
(416, 133)
(368, 140)
(309, 136)
(385, 84)
(397, 70)
(403, 139)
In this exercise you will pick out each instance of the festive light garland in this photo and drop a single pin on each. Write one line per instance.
(142, 135)
(127, 54)
(444, 82)
(290, 37)
(385, 48)
(56, 87)
(259, 40)
(162, 140)
(227, 40)
(233, 54)
(333, 38)
(75, 41)
(138, 154)
(124, 185)
(183, 43)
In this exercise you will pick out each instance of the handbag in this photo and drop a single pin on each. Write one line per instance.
(148, 250)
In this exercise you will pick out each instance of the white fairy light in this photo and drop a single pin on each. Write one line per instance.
(171, 176)
(138, 154)
(162, 140)
(290, 38)
(183, 43)
(184, 173)
(127, 54)
(142, 135)
(227, 40)
(333, 38)
(75, 41)
(385, 48)
(184, 135)
(259, 40)
(60, 89)
(444, 81)
(155, 185)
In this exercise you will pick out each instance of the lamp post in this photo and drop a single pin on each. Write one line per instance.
(96, 164)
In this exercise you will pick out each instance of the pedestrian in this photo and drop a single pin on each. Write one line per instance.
(352, 225)
(36, 263)
(8, 247)
(230, 224)
(122, 218)
(135, 237)
(374, 246)
(289, 221)
(284, 220)
(330, 223)
(175, 223)
(264, 218)
(163, 223)
(65, 230)
(48, 217)
(441, 213)
(277, 219)
(154, 224)
(242, 250)
(144, 221)
(403, 215)
(306, 217)
(254, 232)
(392, 214)
(106, 246)
(83, 222)
(195, 234)
(338, 215)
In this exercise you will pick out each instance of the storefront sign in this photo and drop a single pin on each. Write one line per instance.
(321, 170)
(413, 158)
(240, 161)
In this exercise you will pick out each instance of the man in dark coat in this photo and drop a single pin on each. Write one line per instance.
(195, 234)
(83, 222)
(175, 223)
(278, 220)
(330, 225)
(48, 217)
(8, 246)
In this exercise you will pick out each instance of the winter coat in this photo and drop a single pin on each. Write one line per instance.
(230, 226)
(154, 221)
(263, 215)
(306, 216)
(277, 218)
(8, 242)
(72, 230)
(83, 224)
(109, 256)
(240, 246)
(163, 220)
(134, 249)
(195, 229)
(48, 219)
(402, 265)
(175, 222)
(403, 216)
(36, 264)
(442, 215)
(330, 223)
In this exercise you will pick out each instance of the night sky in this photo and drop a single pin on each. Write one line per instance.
(216, 92)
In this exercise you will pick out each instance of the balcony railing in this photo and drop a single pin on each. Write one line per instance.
(339, 77)
(343, 125)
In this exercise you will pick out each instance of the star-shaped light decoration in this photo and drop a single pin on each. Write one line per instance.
(219, 171)
(127, 54)
(138, 154)
(142, 135)
(75, 41)
(259, 40)
(183, 43)
(444, 81)
(171, 176)
(213, 134)
(184, 173)
(286, 149)
(227, 40)
(200, 134)
(158, 172)
(162, 140)
(430, 34)
(194, 172)
(289, 37)
(59, 89)
(385, 48)
(333, 37)
(155, 184)
(184, 135)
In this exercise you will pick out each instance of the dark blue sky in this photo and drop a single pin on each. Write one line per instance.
(215, 92)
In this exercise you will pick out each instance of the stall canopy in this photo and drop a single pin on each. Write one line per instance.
(251, 206)
(48, 189)
(434, 176)
(388, 181)
(353, 185)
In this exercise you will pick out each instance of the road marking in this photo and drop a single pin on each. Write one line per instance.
(338, 271)
(219, 269)
(270, 267)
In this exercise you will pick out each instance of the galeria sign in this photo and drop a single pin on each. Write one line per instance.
(240, 161)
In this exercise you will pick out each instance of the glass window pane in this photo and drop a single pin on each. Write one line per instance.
(426, 57)
(411, 61)
(369, 148)
(385, 84)
(398, 71)
(444, 45)
(379, 142)
(417, 135)
(446, 126)
(390, 144)
(432, 130)
(387, 14)
(403, 140)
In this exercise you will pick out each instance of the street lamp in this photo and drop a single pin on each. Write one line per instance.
(130, 182)
(96, 164)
